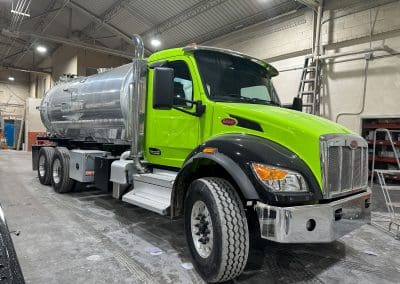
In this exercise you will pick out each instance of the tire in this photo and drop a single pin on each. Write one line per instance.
(227, 238)
(60, 179)
(44, 165)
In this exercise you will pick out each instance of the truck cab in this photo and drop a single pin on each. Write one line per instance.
(215, 146)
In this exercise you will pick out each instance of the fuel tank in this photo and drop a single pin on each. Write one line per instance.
(94, 108)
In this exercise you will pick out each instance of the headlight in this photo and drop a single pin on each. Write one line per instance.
(279, 179)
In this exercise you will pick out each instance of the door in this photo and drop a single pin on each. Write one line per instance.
(9, 132)
(172, 134)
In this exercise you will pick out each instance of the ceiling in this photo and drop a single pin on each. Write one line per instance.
(107, 25)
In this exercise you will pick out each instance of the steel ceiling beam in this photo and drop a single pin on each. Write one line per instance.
(104, 20)
(183, 16)
(42, 14)
(106, 16)
(100, 21)
(264, 15)
(68, 42)
(43, 25)
(27, 70)
(135, 13)
(313, 4)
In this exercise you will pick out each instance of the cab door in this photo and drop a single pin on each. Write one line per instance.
(172, 134)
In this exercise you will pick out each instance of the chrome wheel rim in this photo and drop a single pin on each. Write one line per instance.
(202, 229)
(56, 170)
(42, 170)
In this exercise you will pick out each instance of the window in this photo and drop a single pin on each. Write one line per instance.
(183, 85)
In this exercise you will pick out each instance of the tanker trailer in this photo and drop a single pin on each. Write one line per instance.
(93, 108)
(208, 141)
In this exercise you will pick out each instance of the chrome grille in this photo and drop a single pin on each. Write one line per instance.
(344, 161)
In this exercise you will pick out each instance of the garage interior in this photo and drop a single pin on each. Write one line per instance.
(87, 236)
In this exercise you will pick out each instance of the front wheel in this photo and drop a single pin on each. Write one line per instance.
(216, 229)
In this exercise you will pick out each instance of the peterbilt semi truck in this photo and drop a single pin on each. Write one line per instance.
(200, 133)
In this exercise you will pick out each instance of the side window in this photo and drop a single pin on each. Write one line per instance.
(183, 85)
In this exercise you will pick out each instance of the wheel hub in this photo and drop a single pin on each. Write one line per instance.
(202, 229)
(41, 166)
(56, 170)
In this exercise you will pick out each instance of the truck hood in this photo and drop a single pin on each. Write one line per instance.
(297, 131)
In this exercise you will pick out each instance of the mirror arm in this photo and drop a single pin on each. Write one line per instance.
(185, 111)
(200, 108)
(185, 100)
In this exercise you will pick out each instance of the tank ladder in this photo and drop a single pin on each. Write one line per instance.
(388, 190)
(310, 85)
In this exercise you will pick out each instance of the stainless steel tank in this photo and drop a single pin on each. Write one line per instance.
(90, 108)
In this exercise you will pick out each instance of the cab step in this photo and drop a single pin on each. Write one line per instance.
(152, 191)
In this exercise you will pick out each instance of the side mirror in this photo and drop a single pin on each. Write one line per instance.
(163, 88)
(297, 104)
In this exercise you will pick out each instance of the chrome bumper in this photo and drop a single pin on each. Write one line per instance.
(319, 223)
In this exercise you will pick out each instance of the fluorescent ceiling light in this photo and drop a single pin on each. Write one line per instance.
(11, 78)
(155, 42)
(41, 49)
(20, 13)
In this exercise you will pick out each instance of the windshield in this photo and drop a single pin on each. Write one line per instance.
(228, 78)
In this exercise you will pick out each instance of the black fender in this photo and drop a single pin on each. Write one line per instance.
(234, 154)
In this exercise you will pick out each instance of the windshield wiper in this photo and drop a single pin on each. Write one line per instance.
(237, 98)
(227, 98)
(256, 101)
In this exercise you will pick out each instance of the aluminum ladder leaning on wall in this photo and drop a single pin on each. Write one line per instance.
(310, 85)
(387, 189)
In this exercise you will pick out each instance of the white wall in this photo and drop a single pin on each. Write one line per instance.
(64, 61)
(93, 59)
(284, 42)
(33, 121)
(13, 93)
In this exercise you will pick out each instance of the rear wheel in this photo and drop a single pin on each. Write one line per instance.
(60, 179)
(216, 229)
(44, 164)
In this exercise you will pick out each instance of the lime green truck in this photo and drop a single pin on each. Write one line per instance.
(200, 133)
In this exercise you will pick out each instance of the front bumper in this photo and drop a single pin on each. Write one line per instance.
(319, 223)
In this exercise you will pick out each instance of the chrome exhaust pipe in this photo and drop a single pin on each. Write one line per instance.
(136, 101)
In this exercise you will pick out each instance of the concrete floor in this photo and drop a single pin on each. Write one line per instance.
(89, 237)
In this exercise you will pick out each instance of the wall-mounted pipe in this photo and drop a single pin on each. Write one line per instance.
(367, 58)
(371, 6)
(347, 53)
(364, 95)
(317, 44)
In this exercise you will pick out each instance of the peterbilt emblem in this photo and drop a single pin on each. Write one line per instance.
(353, 144)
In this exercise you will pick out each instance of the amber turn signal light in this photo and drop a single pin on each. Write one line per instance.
(267, 173)
(209, 150)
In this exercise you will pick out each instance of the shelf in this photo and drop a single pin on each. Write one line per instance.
(382, 125)
(383, 142)
(384, 159)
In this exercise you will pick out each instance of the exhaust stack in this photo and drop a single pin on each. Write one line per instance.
(135, 102)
